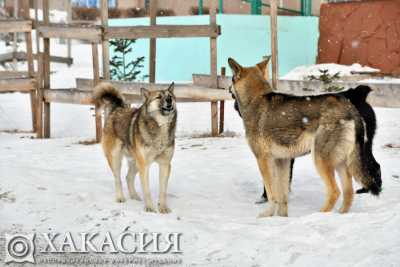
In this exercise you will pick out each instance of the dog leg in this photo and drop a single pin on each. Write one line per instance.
(327, 173)
(347, 187)
(144, 178)
(264, 166)
(130, 180)
(165, 171)
(114, 158)
(281, 183)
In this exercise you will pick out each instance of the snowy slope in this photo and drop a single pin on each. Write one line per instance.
(59, 185)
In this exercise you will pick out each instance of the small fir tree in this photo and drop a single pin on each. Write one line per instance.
(121, 68)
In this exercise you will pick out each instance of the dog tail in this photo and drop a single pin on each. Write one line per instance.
(106, 95)
(360, 166)
(358, 97)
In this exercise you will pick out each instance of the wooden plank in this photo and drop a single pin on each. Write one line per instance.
(161, 31)
(383, 95)
(39, 95)
(71, 31)
(68, 96)
(224, 82)
(17, 85)
(13, 74)
(222, 108)
(46, 71)
(274, 42)
(29, 56)
(96, 80)
(183, 92)
(74, 96)
(213, 70)
(15, 25)
(153, 42)
(21, 56)
(105, 45)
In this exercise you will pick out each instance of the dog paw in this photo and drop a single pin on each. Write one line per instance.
(149, 209)
(164, 209)
(120, 199)
(270, 211)
(135, 197)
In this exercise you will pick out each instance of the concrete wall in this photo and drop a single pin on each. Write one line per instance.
(244, 37)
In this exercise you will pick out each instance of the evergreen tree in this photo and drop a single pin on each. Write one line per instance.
(121, 68)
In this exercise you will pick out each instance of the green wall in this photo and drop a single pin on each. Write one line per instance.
(244, 37)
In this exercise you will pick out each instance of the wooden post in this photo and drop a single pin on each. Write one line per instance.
(274, 42)
(39, 103)
(213, 64)
(222, 107)
(29, 59)
(37, 32)
(153, 42)
(46, 71)
(15, 37)
(69, 20)
(96, 79)
(104, 44)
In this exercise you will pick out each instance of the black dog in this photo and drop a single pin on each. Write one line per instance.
(358, 97)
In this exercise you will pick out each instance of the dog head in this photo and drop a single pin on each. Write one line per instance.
(160, 102)
(248, 82)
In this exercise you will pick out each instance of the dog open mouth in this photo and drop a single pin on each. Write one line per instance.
(167, 110)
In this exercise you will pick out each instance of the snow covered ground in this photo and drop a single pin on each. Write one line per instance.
(60, 185)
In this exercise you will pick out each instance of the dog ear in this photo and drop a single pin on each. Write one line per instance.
(263, 66)
(235, 67)
(145, 93)
(171, 88)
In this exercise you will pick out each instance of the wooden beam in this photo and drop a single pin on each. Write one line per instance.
(22, 57)
(383, 94)
(274, 42)
(68, 96)
(161, 31)
(105, 45)
(75, 96)
(153, 42)
(213, 70)
(96, 80)
(222, 108)
(81, 32)
(205, 80)
(14, 74)
(39, 98)
(29, 59)
(17, 85)
(184, 92)
(15, 25)
(46, 70)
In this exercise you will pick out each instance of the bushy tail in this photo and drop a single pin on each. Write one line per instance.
(360, 166)
(107, 95)
(358, 97)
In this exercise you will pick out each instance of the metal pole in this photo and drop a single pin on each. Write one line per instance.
(220, 6)
(200, 7)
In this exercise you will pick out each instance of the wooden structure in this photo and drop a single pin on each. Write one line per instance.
(205, 88)
(100, 34)
(21, 81)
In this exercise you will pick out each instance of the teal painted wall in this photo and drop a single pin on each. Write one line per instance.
(244, 37)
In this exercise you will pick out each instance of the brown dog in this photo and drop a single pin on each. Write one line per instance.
(280, 127)
(143, 136)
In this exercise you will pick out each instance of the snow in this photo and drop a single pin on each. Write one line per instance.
(60, 185)
(302, 72)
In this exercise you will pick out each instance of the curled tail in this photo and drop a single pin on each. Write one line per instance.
(106, 95)
(360, 163)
